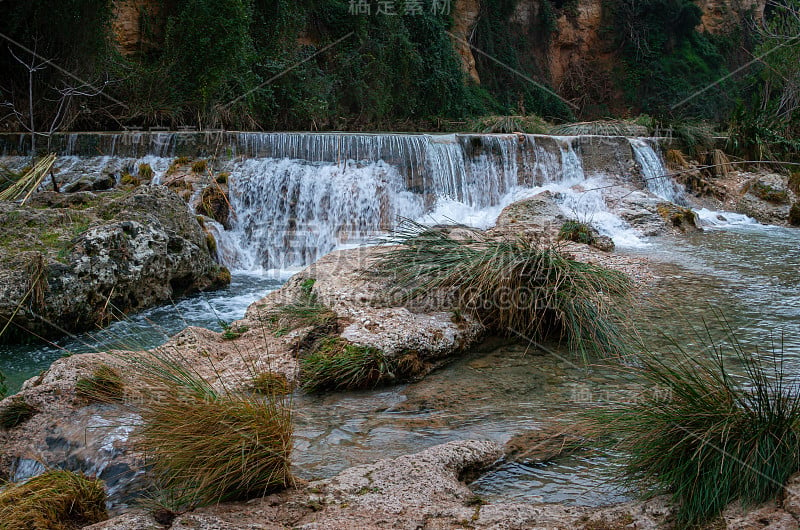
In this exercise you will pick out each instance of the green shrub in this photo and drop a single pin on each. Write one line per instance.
(146, 172)
(576, 231)
(104, 385)
(336, 364)
(54, 500)
(205, 442)
(518, 287)
(510, 124)
(708, 437)
(17, 412)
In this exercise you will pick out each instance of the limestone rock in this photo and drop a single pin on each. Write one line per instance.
(65, 268)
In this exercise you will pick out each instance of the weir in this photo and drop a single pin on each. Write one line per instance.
(297, 196)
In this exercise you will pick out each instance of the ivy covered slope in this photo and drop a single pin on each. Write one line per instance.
(431, 65)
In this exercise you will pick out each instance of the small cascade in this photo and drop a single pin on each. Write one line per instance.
(291, 212)
(656, 177)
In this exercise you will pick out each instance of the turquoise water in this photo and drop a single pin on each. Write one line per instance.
(143, 330)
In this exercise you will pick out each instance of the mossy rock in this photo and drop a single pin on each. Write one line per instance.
(768, 193)
(794, 214)
(214, 203)
(678, 217)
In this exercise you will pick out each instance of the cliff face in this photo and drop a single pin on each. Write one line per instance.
(138, 25)
(578, 55)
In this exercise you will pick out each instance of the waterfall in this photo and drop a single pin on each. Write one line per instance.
(656, 177)
(297, 196)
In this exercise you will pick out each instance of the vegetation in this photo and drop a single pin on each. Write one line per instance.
(639, 127)
(200, 166)
(54, 500)
(576, 231)
(232, 332)
(706, 436)
(305, 312)
(513, 287)
(676, 160)
(794, 182)
(16, 412)
(336, 364)
(269, 383)
(145, 172)
(3, 387)
(531, 124)
(205, 442)
(104, 385)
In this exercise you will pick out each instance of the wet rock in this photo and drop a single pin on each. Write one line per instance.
(677, 217)
(96, 182)
(66, 269)
(604, 243)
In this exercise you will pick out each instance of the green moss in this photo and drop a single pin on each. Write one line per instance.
(232, 332)
(211, 244)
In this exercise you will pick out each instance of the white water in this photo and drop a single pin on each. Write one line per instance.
(314, 193)
(655, 176)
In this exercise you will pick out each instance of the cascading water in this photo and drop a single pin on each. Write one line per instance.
(656, 178)
(298, 196)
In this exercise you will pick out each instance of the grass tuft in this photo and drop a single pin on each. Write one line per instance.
(675, 159)
(519, 287)
(146, 172)
(17, 412)
(54, 500)
(336, 364)
(576, 231)
(530, 124)
(103, 386)
(708, 437)
(269, 383)
(129, 180)
(601, 128)
(200, 166)
(205, 444)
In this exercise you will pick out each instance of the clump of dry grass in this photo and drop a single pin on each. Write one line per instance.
(17, 412)
(103, 386)
(515, 287)
(207, 443)
(54, 500)
(675, 159)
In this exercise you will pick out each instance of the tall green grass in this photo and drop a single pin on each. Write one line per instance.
(515, 287)
(709, 437)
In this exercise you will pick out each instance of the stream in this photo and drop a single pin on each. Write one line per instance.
(298, 196)
(748, 273)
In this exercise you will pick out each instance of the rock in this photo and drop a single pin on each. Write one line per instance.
(95, 182)
(539, 215)
(677, 217)
(767, 199)
(71, 267)
(604, 243)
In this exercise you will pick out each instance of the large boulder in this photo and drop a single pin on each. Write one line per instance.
(71, 265)
(767, 199)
